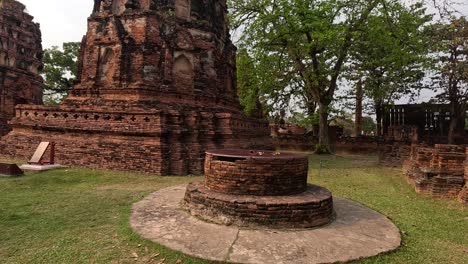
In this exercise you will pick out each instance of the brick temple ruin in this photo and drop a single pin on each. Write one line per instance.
(437, 171)
(415, 138)
(20, 60)
(156, 88)
(403, 125)
(259, 188)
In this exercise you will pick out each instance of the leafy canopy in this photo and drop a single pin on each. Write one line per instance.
(60, 70)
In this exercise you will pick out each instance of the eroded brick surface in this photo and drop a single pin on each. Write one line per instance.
(311, 208)
(463, 196)
(20, 60)
(273, 175)
(397, 145)
(156, 88)
(259, 188)
(437, 171)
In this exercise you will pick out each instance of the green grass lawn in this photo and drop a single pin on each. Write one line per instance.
(81, 216)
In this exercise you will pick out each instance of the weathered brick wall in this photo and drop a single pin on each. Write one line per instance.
(250, 188)
(280, 175)
(312, 208)
(393, 154)
(165, 143)
(402, 133)
(20, 60)
(463, 196)
(99, 151)
(397, 146)
(437, 171)
(156, 88)
(160, 51)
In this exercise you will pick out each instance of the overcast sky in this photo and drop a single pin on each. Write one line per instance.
(65, 20)
(61, 20)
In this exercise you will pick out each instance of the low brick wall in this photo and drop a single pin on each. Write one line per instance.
(258, 188)
(309, 209)
(394, 154)
(150, 142)
(437, 171)
(463, 196)
(8, 169)
(266, 175)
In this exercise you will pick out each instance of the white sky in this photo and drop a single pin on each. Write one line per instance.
(65, 20)
(61, 20)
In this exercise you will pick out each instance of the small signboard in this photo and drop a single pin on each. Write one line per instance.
(37, 158)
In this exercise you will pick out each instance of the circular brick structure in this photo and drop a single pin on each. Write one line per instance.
(259, 173)
(259, 188)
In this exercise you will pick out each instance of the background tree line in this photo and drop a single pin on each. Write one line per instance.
(312, 54)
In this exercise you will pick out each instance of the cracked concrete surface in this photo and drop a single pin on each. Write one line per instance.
(357, 232)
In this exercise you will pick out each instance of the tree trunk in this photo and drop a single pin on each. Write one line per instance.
(378, 115)
(324, 139)
(456, 128)
(358, 113)
(311, 108)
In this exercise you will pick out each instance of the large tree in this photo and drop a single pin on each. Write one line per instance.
(390, 58)
(450, 46)
(60, 70)
(305, 40)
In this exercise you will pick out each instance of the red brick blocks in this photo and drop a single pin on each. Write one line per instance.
(259, 189)
(156, 88)
(463, 196)
(256, 173)
(7, 169)
(437, 171)
(20, 60)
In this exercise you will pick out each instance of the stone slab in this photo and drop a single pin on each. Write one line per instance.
(29, 167)
(358, 232)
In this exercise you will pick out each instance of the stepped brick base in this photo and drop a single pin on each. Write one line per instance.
(259, 188)
(152, 141)
(309, 209)
(437, 171)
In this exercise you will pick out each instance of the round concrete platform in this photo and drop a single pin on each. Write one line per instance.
(357, 232)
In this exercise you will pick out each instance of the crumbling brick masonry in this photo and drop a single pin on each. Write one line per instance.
(437, 171)
(20, 60)
(259, 188)
(156, 87)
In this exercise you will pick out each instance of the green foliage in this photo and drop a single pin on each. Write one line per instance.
(368, 124)
(391, 57)
(60, 70)
(247, 82)
(450, 46)
(301, 47)
(304, 119)
(321, 149)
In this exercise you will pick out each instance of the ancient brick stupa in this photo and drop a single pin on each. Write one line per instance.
(20, 60)
(258, 188)
(156, 87)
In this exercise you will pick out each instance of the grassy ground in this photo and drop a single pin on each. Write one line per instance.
(81, 216)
